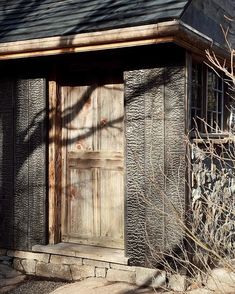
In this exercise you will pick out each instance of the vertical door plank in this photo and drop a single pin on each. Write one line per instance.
(93, 123)
(111, 117)
(64, 203)
(80, 193)
(112, 204)
(80, 123)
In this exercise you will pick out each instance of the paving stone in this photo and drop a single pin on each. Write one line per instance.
(12, 281)
(203, 291)
(57, 259)
(96, 263)
(81, 272)
(99, 286)
(8, 272)
(100, 272)
(6, 258)
(221, 280)
(122, 267)
(7, 289)
(43, 257)
(3, 251)
(29, 266)
(150, 277)
(51, 270)
(177, 282)
(17, 264)
(114, 275)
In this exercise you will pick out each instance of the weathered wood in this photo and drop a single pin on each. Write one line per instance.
(37, 232)
(21, 208)
(171, 31)
(84, 155)
(93, 205)
(22, 162)
(134, 188)
(6, 163)
(95, 163)
(86, 48)
(54, 192)
(87, 39)
(83, 251)
(155, 161)
(29, 163)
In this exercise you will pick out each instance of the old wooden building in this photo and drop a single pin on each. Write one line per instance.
(96, 98)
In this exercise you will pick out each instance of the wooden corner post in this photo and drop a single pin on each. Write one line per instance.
(54, 157)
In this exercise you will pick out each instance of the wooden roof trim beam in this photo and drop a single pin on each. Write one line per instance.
(171, 31)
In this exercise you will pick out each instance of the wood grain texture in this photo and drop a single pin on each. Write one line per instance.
(29, 163)
(37, 162)
(175, 152)
(155, 161)
(6, 163)
(93, 207)
(21, 163)
(55, 178)
(135, 87)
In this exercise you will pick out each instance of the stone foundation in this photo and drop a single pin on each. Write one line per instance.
(77, 268)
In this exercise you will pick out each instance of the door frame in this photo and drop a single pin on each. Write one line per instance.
(55, 161)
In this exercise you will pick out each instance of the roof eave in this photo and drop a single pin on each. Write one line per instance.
(170, 31)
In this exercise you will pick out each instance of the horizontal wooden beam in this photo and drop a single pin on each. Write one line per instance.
(165, 32)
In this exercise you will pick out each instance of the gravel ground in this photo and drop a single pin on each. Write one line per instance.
(37, 286)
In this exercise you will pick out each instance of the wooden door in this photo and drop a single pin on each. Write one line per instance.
(93, 205)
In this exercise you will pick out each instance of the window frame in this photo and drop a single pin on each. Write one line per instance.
(203, 128)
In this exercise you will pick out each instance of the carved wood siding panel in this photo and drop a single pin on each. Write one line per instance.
(93, 207)
(23, 162)
(6, 163)
(155, 160)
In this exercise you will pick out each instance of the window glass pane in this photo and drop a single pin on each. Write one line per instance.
(212, 101)
(220, 101)
(210, 80)
(214, 122)
(207, 99)
(196, 97)
(219, 121)
(220, 84)
(194, 75)
(209, 120)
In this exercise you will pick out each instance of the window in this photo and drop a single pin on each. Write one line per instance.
(207, 100)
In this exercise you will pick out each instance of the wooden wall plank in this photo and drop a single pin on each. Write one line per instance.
(37, 162)
(155, 197)
(55, 164)
(175, 154)
(21, 163)
(29, 163)
(6, 163)
(155, 161)
(135, 87)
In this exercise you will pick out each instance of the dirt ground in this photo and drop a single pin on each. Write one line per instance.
(34, 285)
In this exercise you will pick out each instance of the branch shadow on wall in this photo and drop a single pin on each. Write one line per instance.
(23, 134)
(28, 140)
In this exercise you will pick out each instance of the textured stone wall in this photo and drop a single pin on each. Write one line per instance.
(155, 161)
(22, 163)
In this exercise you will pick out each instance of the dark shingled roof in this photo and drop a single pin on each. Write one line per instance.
(33, 19)
(30, 19)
